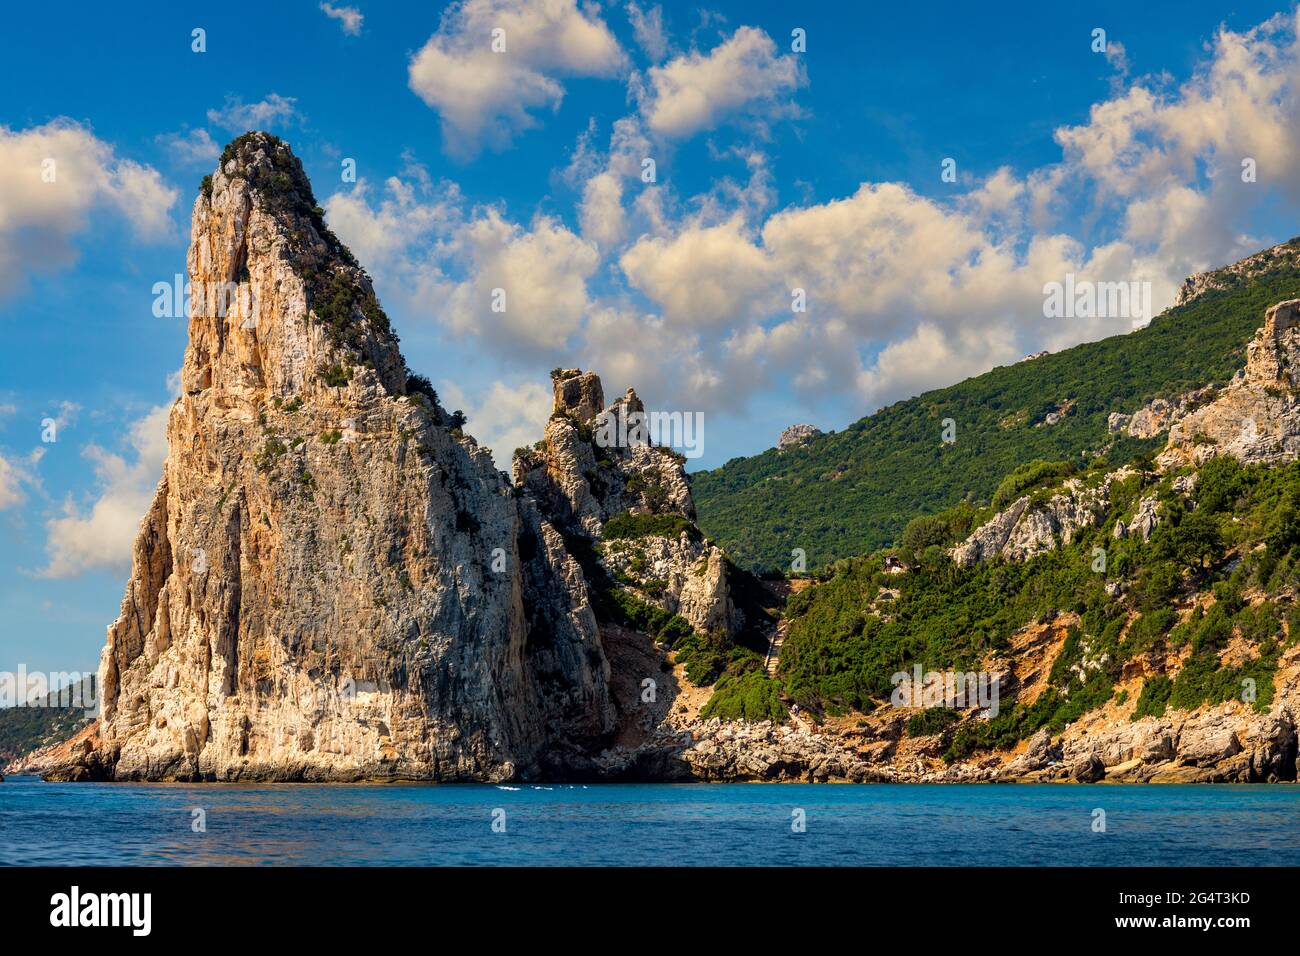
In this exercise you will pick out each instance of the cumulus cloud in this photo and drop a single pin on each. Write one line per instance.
(52, 178)
(16, 476)
(704, 275)
(350, 18)
(382, 231)
(542, 270)
(520, 290)
(689, 297)
(506, 417)
(193, 147)
(648, 29)
(601, 213)
(239, 117)
(484, 96)
(698, 91)
(100, 536)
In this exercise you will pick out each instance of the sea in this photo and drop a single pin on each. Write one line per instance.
(94, 824)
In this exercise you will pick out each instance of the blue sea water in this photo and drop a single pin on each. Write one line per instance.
(648, 825)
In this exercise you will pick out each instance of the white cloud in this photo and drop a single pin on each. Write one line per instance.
(698, 91)
(543, 271)
(101, 536)
(381, 236)
(193, 147)
(648, 28)
(509, 416)
(688, 297)
(39, 219)
(601, 213)
(240, 117)
(14, 476)
(484, 97)
(704, 275)
(350, 18)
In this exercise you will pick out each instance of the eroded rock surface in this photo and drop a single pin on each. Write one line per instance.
(332, 581)
(1257, 417)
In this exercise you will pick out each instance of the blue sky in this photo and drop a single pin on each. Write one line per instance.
(775, 169)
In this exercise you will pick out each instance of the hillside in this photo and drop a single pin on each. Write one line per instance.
(850, 492)
(1178, 660)
(24, 729)
(1134, 623)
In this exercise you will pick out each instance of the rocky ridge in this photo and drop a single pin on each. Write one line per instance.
(1257, 417)
(1283, 254)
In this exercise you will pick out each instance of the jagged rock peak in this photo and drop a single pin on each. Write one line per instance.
(279, 306)
(796, 435)
(1257, 417)
(332, 582)
(578, 394)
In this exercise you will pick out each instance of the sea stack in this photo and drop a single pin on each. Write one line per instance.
(333, 581)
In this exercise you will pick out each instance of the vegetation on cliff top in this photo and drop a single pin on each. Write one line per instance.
(851, 492)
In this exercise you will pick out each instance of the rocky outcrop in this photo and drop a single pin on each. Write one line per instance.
(332, 582)
(1157, 415)
(1027, 528)
(74, 759)
(1284, 255)
(1145, 520)
(596, 464)
(1257, 417)
(796, 435)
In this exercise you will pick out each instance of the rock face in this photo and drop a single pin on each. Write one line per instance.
(1257, 417)
(1156, 416)
(1023, 530)
(593, 466)
(796, 435)
(332, 581)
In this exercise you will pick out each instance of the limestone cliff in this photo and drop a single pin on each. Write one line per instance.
(1032, 525)
(586, 480)
(333, 582)
(1257, 417)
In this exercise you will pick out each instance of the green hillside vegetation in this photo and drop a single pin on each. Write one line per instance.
(24, 729)
(851, 492)
(1241, 542)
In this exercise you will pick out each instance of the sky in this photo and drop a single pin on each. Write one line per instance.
(658, 188)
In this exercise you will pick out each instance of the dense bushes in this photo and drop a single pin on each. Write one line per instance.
(1028, 476)
(629, 525)
(942, 529)
(897, 466)
(749, 696)
(845, 642)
